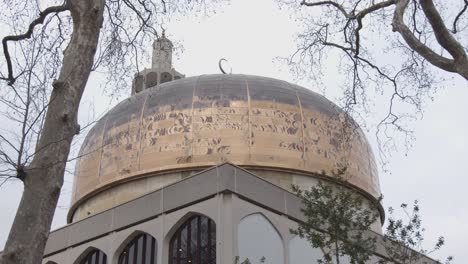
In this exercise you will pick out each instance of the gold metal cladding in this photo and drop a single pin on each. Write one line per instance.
(206, 120)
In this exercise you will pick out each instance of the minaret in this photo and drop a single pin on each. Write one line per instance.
(162, 53)
(161, 70)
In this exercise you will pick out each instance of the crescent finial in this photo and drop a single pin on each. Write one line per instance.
(221, 66)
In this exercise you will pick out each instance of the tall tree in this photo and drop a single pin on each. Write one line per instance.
(398, 49)
(49, 52)
(337, 221)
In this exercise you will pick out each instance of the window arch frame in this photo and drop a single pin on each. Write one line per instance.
(151, 80)
(133, 240)
(86, 256)
(175, 240)
(139, 84)
(281, 240)
(165, 77)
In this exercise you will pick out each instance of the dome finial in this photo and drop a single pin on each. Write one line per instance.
(221, 66)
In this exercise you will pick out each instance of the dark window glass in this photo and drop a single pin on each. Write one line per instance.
(151, 79)
(138, 84)
(141, 250)
(95, 257)
(166, 77)
(194, 242)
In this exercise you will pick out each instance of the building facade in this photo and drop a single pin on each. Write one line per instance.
(199, 170)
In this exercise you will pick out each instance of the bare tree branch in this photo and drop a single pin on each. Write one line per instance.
(347, 28)
(457, 18)
(364, 13)
(42, 16)
(443, 36)
(414, 43)
(332, 3)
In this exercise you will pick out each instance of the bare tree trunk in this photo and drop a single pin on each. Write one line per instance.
(43, 178)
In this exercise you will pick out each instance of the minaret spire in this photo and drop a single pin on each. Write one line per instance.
(161, 70)
(162, 53)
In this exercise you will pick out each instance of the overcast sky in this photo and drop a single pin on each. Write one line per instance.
(250, 34)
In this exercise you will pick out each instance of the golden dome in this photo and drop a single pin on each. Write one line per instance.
(197, 122)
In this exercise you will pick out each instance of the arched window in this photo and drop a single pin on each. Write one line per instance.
(194, 242)
(301, 251)
(258, 241)
(151, 79)
(138, 84)
(141, 250)
(95, 256)
(166, 77)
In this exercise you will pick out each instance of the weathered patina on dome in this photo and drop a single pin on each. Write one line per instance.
(251, 121)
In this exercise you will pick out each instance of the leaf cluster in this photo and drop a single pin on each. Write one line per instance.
(405, 237)
(336, 221)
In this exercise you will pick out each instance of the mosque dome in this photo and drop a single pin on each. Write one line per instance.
(286, 133)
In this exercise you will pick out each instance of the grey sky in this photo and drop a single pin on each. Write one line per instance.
(250, 34)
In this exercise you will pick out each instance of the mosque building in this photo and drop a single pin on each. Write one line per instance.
(199, 170)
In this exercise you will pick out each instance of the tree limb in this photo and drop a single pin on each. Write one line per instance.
(454, 30)
(423, 50)
(442, 34)
(336, 5)
(352, 16)
(42, 16)
(361, 14)
(376, 7)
